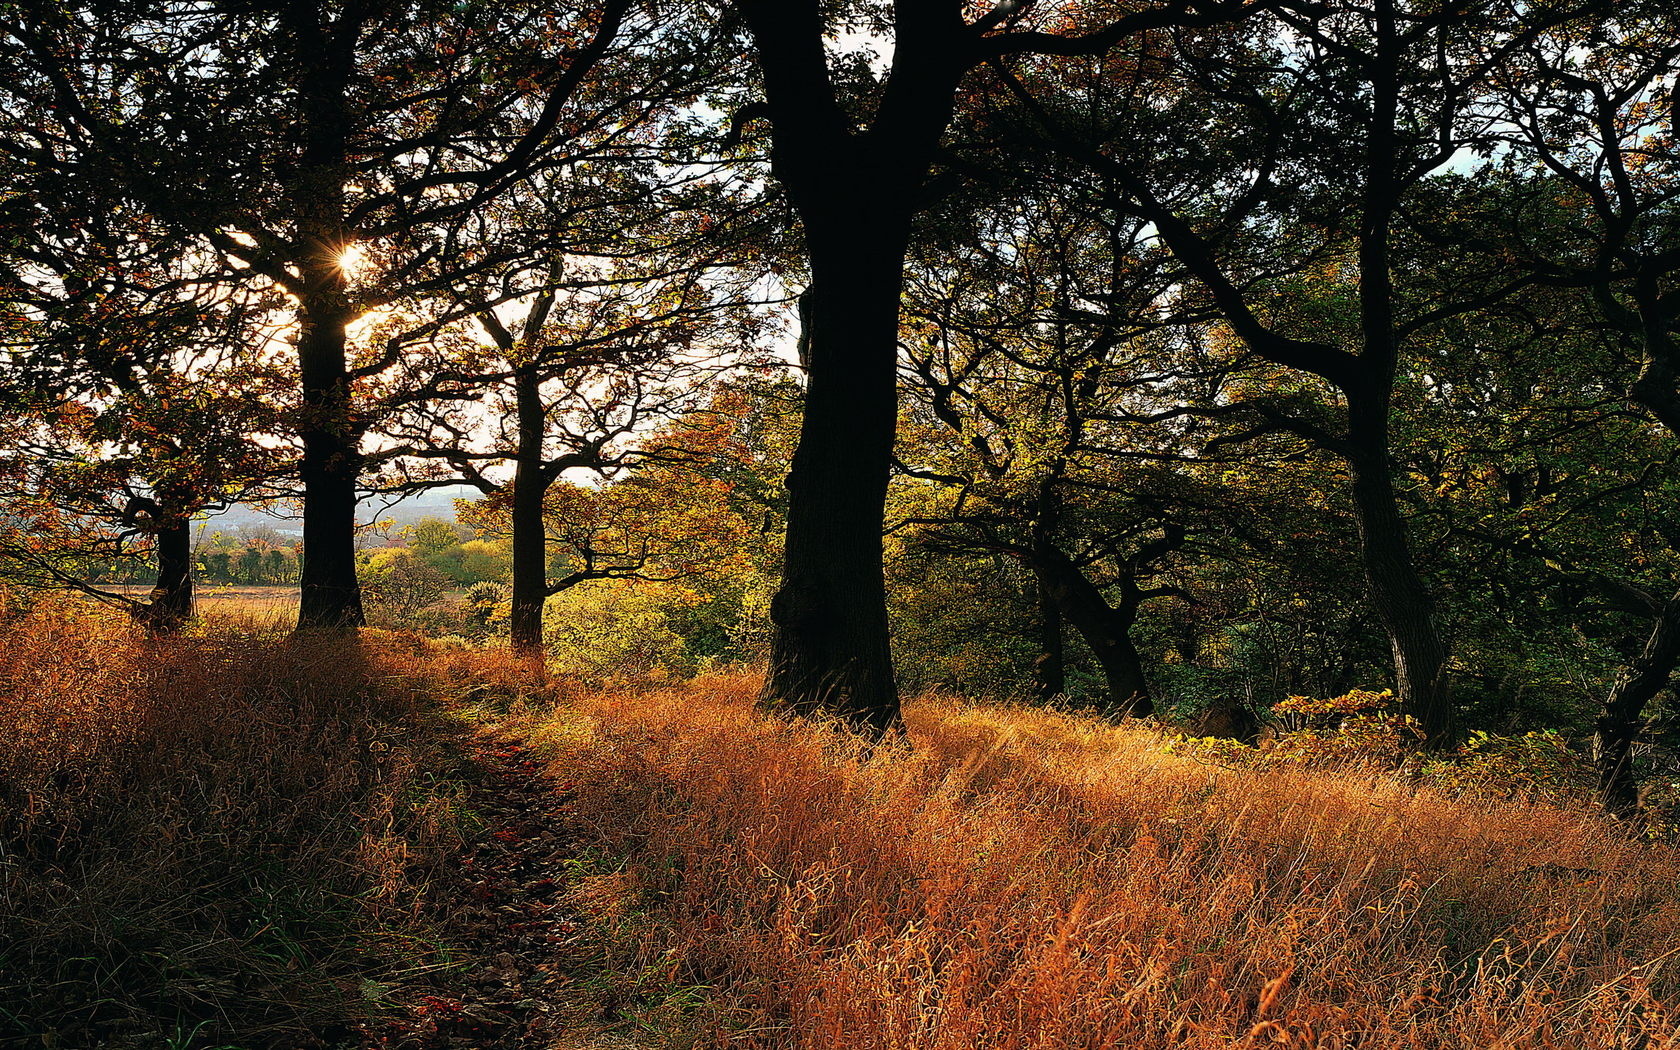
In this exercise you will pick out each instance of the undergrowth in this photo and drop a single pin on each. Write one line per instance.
(220, 839)
(227, 840)
(1025, 879)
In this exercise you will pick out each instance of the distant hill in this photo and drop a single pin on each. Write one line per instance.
(435, 503)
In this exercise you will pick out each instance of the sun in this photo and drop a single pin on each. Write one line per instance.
(352, 261)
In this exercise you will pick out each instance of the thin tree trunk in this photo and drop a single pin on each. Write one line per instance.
(530, 534)
(1050, 667)
(1618, 723)
(1398, 594)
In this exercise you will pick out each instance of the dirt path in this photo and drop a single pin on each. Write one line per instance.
(532, 980)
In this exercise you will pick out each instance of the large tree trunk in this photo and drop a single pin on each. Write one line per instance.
(170, 604)
(1618, 723)
(331, 434)
(1105, 629)
(831, 652)
(855, 192)
(530, 534)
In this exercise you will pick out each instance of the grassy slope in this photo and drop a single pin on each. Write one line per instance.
(223, 839)
(212, 840)
(1025, 879)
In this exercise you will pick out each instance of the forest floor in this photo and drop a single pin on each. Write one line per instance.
(535, 975)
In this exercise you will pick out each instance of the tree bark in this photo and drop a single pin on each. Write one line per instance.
(1106, 629)
(1050, 667)
(1617, 726)
(1397, 592)
(530, 534)
(855, 193)
(331, 595)
(170, 604)
(830, 653)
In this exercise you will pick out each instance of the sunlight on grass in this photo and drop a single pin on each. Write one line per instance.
(1020, 878)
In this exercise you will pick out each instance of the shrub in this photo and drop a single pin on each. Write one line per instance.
(617, 631)
(399, 590)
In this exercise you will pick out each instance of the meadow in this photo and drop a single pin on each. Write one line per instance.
(241, 839)
(270, 606)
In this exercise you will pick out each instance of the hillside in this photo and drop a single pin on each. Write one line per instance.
(245, 840)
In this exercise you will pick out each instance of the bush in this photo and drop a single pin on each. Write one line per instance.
(398, 590)
(617, 631)
(1540, 764)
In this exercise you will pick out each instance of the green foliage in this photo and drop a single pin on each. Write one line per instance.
(618, 631)
(1539, 764)
(399, 589)
(961, 623)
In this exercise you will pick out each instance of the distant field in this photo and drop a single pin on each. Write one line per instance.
(236, 603)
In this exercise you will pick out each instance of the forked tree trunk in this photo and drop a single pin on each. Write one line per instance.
(855, 192)
(1617, 727)
(1106, 629)
(530, 535)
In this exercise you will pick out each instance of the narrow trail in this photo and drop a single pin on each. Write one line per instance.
(532, 979)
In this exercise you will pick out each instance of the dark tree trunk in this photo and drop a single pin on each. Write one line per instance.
(530, 535)
(855, 193)
(170, 604)
(1106, 629)
(1618, 723)
(831, 653)
(1050, 667)
(331, 595)
(1399, 598)
(1398, 594)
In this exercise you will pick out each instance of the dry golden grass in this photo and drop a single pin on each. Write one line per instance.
(221, 839)
(1023, 879)
(209, 838)
(248, 608)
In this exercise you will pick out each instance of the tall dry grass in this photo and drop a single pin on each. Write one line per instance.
(211, 840)
(1022, 879)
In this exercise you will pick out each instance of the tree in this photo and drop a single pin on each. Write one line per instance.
(321, 149)
(1034, 343)
(1330, 122)
(854, 156)
(119, 370)
(571, 387)
(1589, 114)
